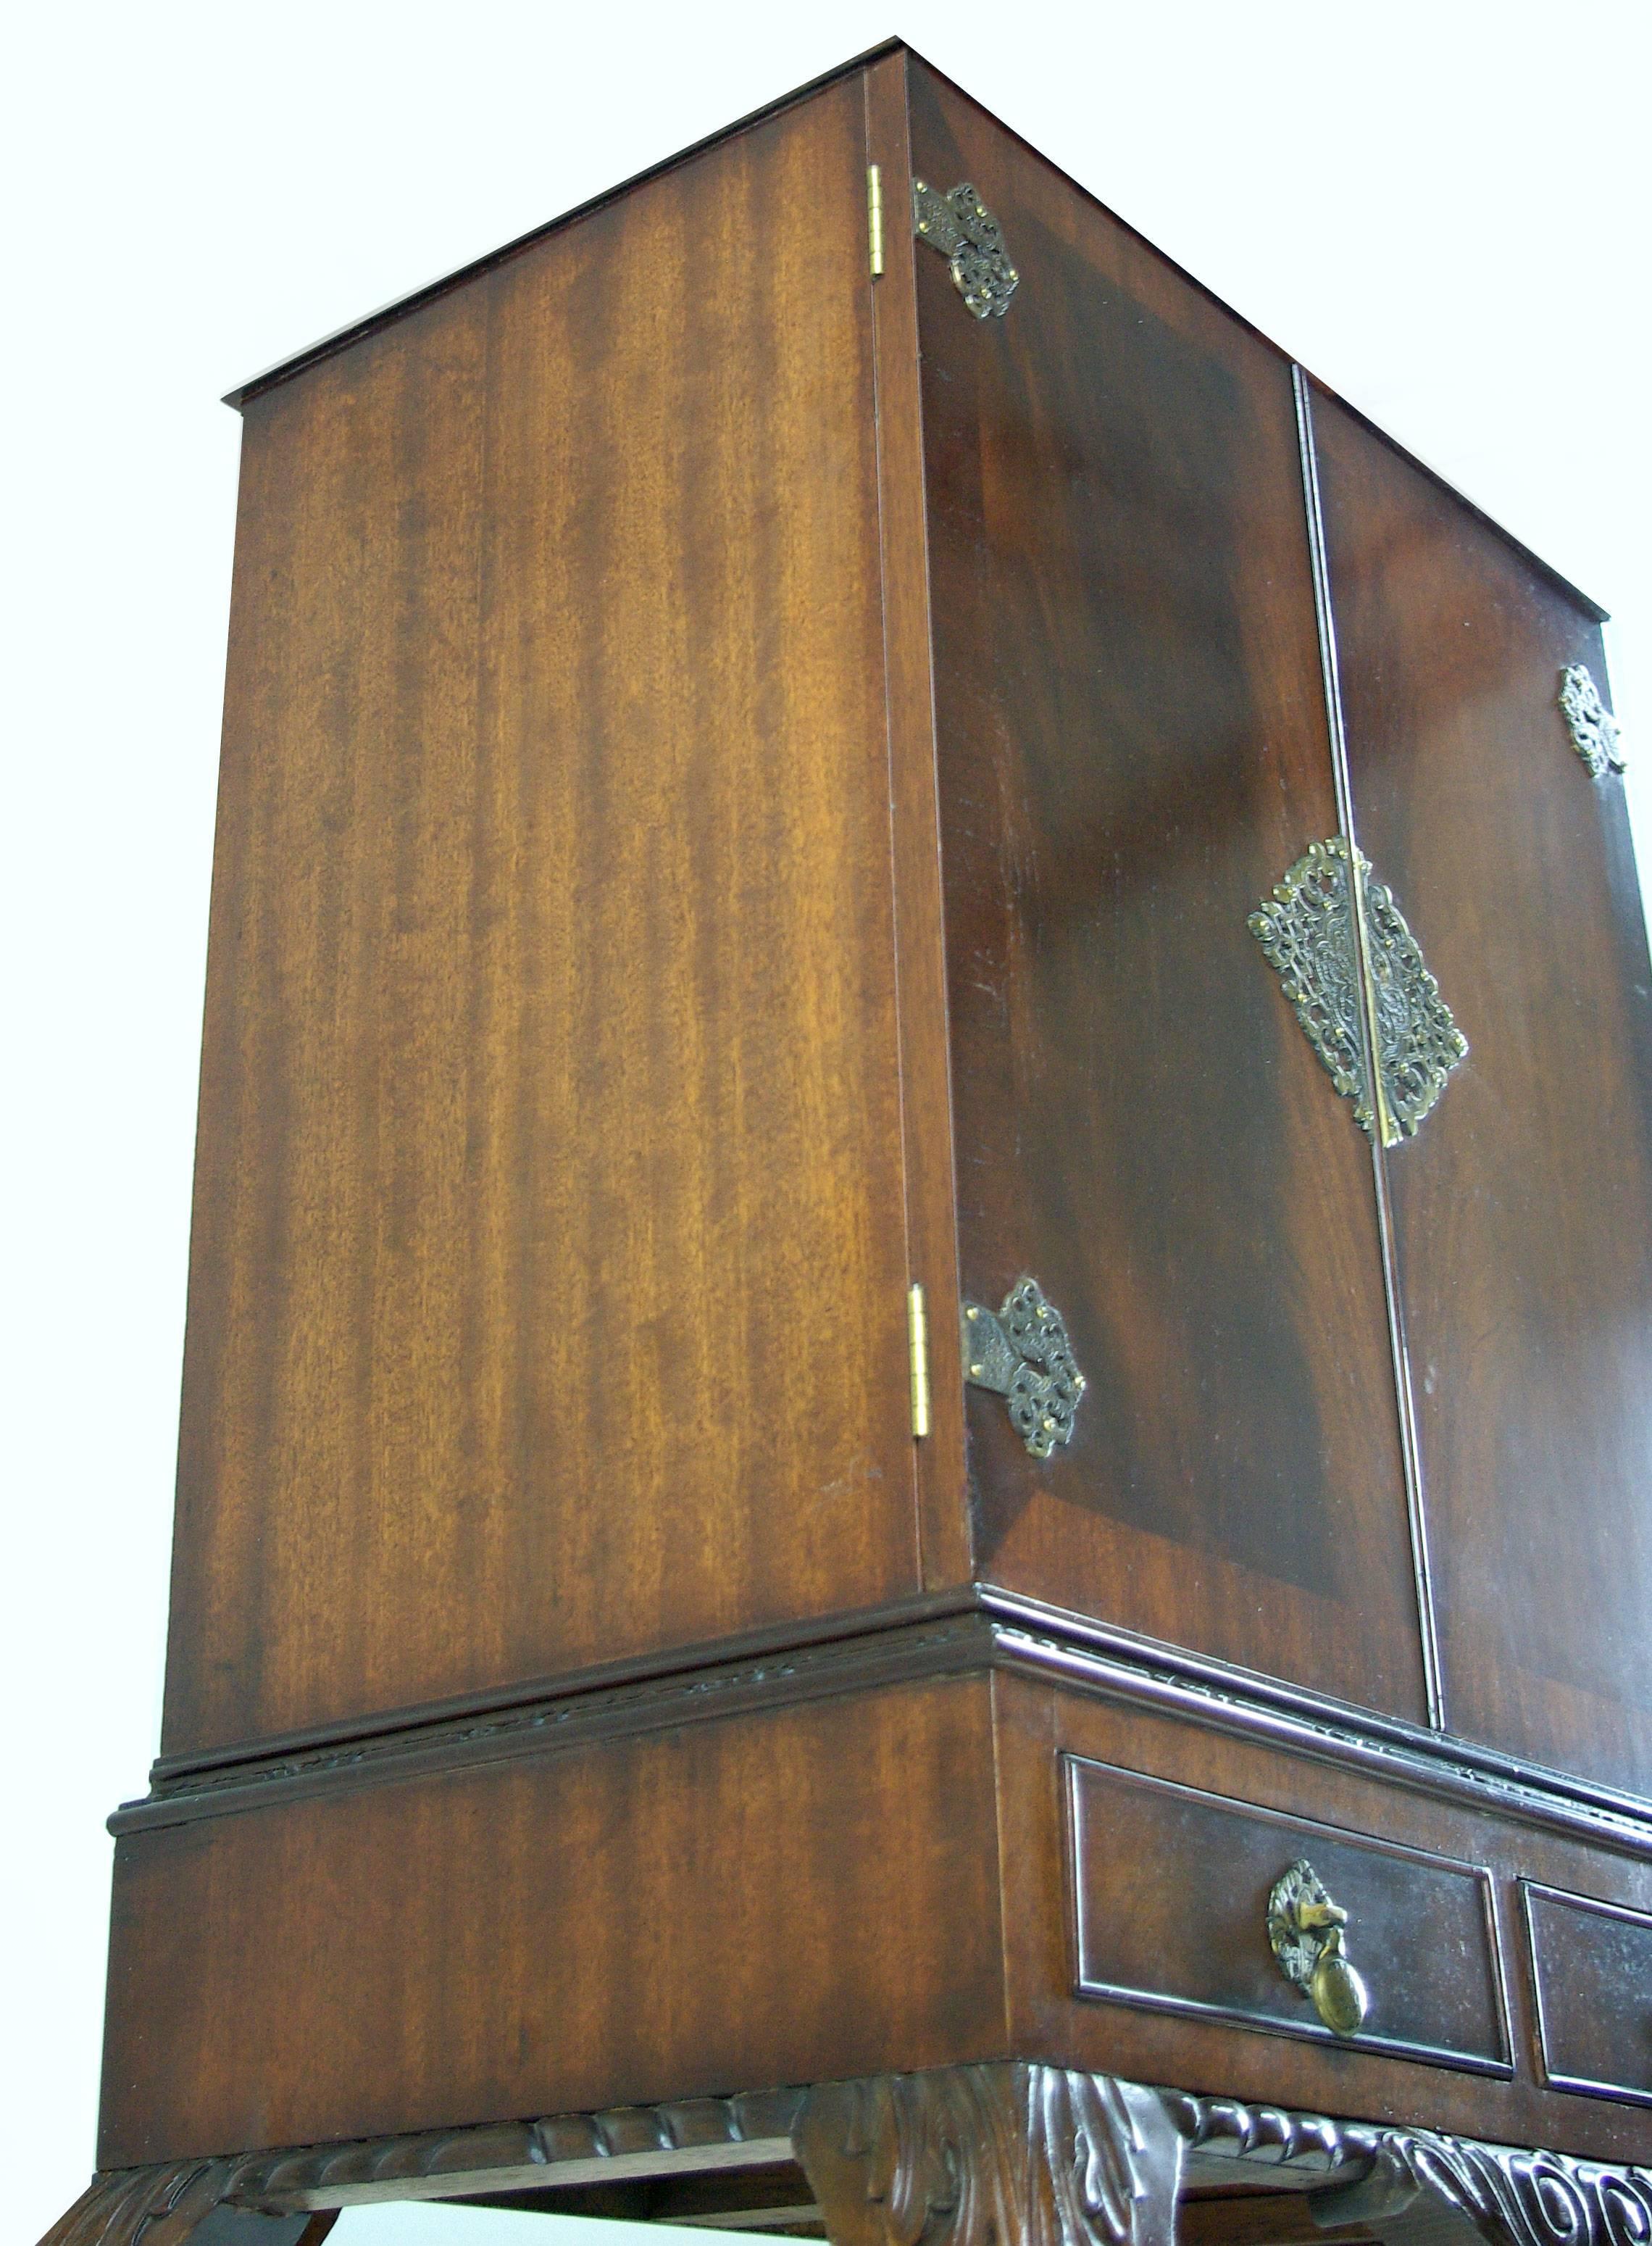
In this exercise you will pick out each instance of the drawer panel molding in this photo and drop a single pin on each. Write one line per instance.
(1169, 1892)
(1592, 1978)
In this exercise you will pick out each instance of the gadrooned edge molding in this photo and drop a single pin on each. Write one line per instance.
(1356, 2172)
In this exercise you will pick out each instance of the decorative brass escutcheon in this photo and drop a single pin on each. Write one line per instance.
(1351, 968)
(1305, 1931)
(1022, 1352)
(961, 227)
(1596, 732)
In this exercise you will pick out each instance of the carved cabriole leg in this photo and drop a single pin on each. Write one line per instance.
(1003, 2154)
(1424, 2189)
(180, 2200)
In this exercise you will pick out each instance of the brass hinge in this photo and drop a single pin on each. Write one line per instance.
(1022, 1353)
(918, 1345)
(1596, 732)
(961, 227)
(874, 216)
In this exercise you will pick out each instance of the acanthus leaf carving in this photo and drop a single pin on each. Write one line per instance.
(1001, 2154)
(167, 2205)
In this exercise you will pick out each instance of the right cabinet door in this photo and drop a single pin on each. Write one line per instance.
(1522, 1209)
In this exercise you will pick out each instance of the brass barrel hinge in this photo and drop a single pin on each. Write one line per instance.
(918, 1355)
(874, 216)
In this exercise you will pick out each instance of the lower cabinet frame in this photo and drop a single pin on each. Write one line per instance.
(1001, 2153)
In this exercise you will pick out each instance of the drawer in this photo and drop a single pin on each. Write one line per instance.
(1592, 1970)
(1170, 1891)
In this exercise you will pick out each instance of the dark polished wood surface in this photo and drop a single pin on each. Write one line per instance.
(1442, 1998)
(1592, 1967)
(1133, 750)
(1152, 1905)
(1523, 1207)
(743, 785)
(548, 1283)
(787, 1897)
(786, 1894)
(926, 1085)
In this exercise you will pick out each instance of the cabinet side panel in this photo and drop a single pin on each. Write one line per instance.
(1523, 1207)
(549, 1267)
(1134, 751)
(784, 1897)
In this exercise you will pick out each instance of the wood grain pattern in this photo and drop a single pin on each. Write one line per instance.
(548, 1274)
(1133, 750)
(782, 1898)
(1591, 1967)
(1523, 1208)
(1441, 1997)
(944, 1524)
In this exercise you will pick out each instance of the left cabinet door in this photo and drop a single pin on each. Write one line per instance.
(547, 1293)
(1134, 751)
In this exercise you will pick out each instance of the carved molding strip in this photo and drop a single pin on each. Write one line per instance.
(1427, 2187)
(979, 2155)
(688, 2136)
(1223, 2128)
(979, 1629)
(579, 1711)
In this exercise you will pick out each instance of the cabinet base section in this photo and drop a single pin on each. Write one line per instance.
(984, 1865)
(1004, 2153)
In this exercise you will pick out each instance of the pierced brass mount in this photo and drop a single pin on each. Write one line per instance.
(1323, 920)
(961, 227)
(1596, 732)
(1305, 1931)
(1022, 1352)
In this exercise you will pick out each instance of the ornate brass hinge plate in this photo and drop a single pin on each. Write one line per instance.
(1307, 930)
(1595, 734)
(961, 227)
(1022, 1352)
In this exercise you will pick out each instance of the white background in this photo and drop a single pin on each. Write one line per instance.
(1441, 209)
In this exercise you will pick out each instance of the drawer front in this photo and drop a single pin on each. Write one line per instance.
(1592, 1970)
(1170, 1888)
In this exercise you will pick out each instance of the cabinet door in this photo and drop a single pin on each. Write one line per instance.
(1132, 751)
(548, 1294)
(1523, 1207)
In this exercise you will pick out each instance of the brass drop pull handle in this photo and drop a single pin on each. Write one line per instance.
(1305, 1931)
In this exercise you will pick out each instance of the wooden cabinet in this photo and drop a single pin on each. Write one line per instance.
(1522, 1212)
(817, 1445)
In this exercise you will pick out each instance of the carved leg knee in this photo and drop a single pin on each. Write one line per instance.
(1005, 2154)
(178, 2200)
